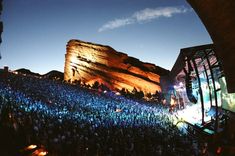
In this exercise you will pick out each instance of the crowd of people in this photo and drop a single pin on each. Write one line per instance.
(69, 120)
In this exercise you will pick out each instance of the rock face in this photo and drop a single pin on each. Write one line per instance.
(91, 62)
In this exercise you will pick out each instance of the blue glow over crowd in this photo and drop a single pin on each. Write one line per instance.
(70, 120)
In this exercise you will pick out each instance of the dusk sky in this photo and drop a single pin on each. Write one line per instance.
(36, 31)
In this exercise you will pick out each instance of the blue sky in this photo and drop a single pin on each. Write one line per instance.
(36, 31)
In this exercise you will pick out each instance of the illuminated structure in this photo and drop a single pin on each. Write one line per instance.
(219, 20)
(90, 62)
(199, 75)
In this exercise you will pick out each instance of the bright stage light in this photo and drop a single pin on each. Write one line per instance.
(40, 152)
(30, 147)
(181, 84)
(192, 114)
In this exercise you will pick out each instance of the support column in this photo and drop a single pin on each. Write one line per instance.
(215, 94)
(200, 89)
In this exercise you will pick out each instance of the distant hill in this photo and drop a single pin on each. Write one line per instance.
(52, 75)
(27, 72)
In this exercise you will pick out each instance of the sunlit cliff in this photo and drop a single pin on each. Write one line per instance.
(91, 62)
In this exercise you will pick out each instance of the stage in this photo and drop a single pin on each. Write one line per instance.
(190, 119)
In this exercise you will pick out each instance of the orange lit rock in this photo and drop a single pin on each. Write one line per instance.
(91, 62)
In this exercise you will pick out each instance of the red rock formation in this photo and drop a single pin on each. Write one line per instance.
(90, 62)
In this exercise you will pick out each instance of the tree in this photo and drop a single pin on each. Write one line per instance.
(104, 87)
(137, 94)
(140, 94)
(134, 91)
(77, 82)
(123, 92)
(157, 96)
(96, 85)
(149, 95)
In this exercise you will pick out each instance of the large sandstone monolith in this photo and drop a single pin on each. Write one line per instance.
(91, 62)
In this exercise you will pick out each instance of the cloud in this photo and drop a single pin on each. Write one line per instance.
(116, 24)
(150, 14)
(144, 15)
